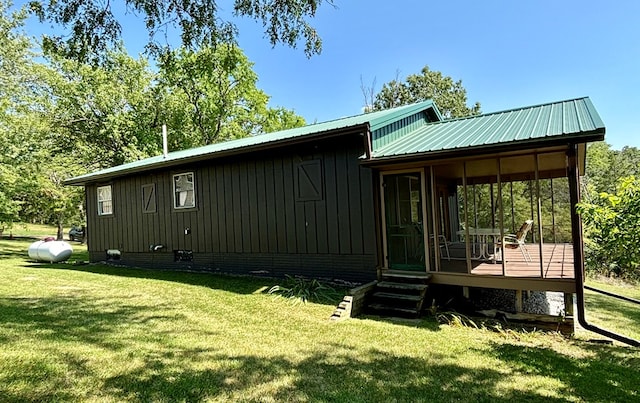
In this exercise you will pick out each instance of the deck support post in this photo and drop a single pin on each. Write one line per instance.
(568, 304)
(518, 301)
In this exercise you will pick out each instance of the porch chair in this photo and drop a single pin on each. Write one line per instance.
(442, 243)
(517, 240)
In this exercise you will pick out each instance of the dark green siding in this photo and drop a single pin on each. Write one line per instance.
(247, 217)
(389, 133)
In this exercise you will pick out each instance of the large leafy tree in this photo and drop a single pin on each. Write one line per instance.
(606, 166)
(212, 97)
(449, 95)
(18, 89)
(611, 210)
(93, 26)
(103, 116)
(612, 224)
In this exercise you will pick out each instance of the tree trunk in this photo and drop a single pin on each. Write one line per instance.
(60, 235)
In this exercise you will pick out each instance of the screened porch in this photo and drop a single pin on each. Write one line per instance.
(506, 215)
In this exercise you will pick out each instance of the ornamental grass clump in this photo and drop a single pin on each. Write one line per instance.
(300, 289)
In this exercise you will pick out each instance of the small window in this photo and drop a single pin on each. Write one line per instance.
(149, 198)
(105, 203)
(183, 191)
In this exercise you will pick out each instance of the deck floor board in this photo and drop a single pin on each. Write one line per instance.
(557, 263)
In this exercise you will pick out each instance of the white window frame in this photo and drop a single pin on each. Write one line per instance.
(181, 196)
(105, 200)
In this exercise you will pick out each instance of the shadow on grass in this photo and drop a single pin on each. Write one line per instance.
(338, 372)
(54, 326)
(73, 318)
(235, 284)
(340, 375)
(323, 376)
(607, 373)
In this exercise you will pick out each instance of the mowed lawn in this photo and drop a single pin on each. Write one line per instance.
(98, 333)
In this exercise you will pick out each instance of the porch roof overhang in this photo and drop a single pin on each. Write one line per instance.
(574, 121)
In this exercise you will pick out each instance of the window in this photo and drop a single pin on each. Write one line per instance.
(149, 198)
(183, 191)
(105, 204)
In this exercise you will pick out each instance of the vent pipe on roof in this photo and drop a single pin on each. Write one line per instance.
(165, 147)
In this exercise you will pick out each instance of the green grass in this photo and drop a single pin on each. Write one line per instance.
(28, 230)
(108, 334)
(610, 313)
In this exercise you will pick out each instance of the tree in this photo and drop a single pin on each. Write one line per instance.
(95, 29)
(612, 225)
(17, 91)
(605, 167)
(103, 116)
(450, 96)
(213, 97)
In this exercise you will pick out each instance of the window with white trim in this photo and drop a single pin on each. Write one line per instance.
(184, 195)
(105, 203)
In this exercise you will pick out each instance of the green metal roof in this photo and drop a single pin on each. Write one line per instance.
(373, 121)
(572, 120)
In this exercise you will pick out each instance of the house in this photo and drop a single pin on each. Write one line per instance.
(400, 190)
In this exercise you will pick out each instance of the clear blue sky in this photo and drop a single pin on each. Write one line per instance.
(507, 53)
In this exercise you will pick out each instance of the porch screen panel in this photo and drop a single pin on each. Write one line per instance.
(517, 250)
(448, 216)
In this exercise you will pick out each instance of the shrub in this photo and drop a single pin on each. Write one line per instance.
(304, 290)
(612, 231)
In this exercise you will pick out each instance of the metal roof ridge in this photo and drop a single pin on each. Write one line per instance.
(383, 118)
(511, 110)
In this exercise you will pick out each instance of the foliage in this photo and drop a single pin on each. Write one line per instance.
(9, 207)
(605, 167)
(103, 116)
(16, 95)
(95, 29)
(305, 290)
(61, 118)
(610, 197)
(450, 96)
(612, 230)
(213, 97)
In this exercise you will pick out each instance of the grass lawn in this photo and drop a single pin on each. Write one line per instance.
(28, 230)
(610, 313)
(107, 334)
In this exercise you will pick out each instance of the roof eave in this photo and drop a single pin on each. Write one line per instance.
(584, 137)
(92, 178)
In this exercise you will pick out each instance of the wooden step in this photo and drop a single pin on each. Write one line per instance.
(424, 278)
(402, 286)
(404, 297)
(388, 308)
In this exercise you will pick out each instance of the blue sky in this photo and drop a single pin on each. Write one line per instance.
(508, 54)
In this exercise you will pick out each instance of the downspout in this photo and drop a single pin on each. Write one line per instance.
(578, 252)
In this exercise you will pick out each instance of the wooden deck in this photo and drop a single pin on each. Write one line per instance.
(557, 263)
(556, 273)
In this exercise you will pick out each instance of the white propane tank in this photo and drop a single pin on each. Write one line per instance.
(50, 251)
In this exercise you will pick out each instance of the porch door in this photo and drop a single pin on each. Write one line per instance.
(403, 221)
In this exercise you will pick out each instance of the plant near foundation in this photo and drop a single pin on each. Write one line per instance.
(456, 319)
(300, 289)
